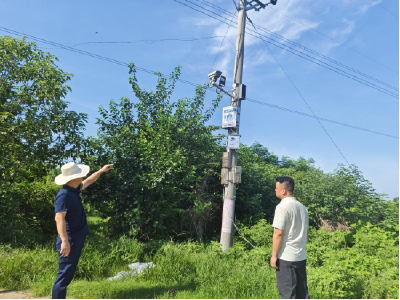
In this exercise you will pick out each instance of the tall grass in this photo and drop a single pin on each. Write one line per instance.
(213, 274)
(358, 264)
(36, 269)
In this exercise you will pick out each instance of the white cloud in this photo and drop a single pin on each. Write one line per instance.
(364, 8)
(338, 33)
(199, 21)
(273, 20)
(295, 20)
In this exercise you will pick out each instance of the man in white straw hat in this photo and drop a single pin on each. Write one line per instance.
(71, 221)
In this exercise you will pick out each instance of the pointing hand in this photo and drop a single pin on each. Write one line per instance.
(107, 168)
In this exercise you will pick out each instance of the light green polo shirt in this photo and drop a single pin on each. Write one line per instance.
(292, 217)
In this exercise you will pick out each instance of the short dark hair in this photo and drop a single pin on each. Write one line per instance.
(287, 181)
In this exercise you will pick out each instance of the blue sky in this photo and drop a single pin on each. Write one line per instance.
(369, 31)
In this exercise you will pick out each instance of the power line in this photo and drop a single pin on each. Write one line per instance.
(220, 47)
(58, 45)
(154, 41)
(147, 41)
(330, 67)
(237, 228)
(305, 56)
(322, 119)
(388, 10)
(305, 48)
(339, 43)
(185, 81)
(296, 52)
(219, 50)
(305, 101)
(328, 59)
(320, 33)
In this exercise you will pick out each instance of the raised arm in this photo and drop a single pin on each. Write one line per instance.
(92, 178)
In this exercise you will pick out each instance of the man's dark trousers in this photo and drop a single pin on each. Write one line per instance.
(291, 278)
(66, 267)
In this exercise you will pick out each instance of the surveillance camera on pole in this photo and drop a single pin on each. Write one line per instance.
(214, 76)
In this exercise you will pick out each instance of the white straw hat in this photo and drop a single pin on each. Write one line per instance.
(71, 171)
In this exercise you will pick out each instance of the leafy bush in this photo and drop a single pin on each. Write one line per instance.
(27, 213)
(353, 264)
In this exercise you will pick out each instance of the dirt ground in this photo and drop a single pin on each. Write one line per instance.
(7, 294)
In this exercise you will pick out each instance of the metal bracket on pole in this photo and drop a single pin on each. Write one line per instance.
(217, 87)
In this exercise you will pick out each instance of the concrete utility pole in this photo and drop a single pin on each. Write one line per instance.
(230, 188)
(231, 172)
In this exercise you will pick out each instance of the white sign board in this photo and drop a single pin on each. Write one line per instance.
(229, 116)
(233, 141)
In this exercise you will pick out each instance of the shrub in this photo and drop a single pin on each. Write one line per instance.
(27, 214)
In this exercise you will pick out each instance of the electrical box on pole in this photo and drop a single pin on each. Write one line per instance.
(225, 160)
(240, 92)
(237, 174)
(224, 175)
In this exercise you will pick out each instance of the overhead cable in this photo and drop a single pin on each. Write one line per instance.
(58, 45)
(322, 119)
(303, 48)
(300, 94)
(296, 52)
(309, 27)
(220, 47)
(388, 10)
(339, 43)
(153, 41)
(114, 61)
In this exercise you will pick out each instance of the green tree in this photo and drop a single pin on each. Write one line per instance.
(256, 195)
(339, 198)
(166, 163)
(35, 126)
(37, 132)
(334, 200)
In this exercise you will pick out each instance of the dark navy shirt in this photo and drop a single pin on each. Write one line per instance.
(68, 199)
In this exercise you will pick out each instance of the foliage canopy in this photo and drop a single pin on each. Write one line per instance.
(37, 132)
